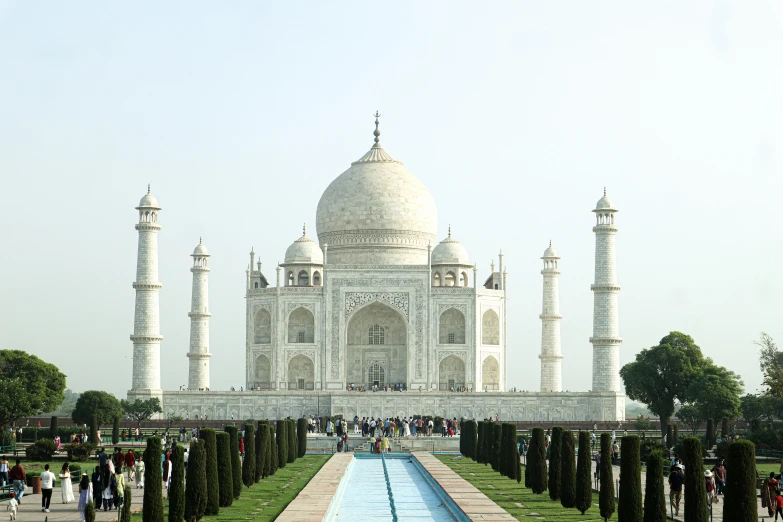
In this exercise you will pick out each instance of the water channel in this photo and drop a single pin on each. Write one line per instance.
(364, 493)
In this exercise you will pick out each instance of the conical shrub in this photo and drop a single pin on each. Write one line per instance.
(301, 436)
(115, 430)
(196, 487)
(479, 456)
(739, 497)
(567, 470)
(273, 454)
(89, 512)
(606, 500)
(127, 503)
(710, 435)
(555, 450)
(249, 463)
(629, 507)
(724, 428)
(281, 437)
(177, 487)
(54, 426)
(497, 432)
(213, 487)
(676, 437)
(94, 429)
(695, 496)
(584, 468)
(654, 497)
(489, 439)
(259, 469)
(236, 464)
(224, 461)
(293, 445)
(153, 485)
(473, 440)
(537, 464)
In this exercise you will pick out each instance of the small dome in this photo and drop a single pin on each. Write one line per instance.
(605, 203)
(304, 251)
(550, 252)
(200, 249)
(450, 252)
(148, 201)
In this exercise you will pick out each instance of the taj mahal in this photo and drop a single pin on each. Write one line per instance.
(375, 301)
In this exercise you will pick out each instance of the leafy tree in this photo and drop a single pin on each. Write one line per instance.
(69, 403)
(676, 437)
(472, 439)
(536, 461)
(172, 418)
(606, 502)
(771, 364)
(555, 451)
(281, 437)
(249, 463)
(662, 374)
(293, 450)
(669, 436)
(213, 487)
(724, 428)
(236, 465)
(755, 407)
(695, 490)
(510, 454)
(739, 500)
(30, 386)
(630, 499)
(488, 439)
(710, 435)
(654, 497)
(716, 391)
(141, 410)
(692, 416)
(104, 405)
(584, 468)
(643, 424)
(196, 487)
(301, 433)
(153, 488)
(224, 462)
(567, 469)
(177, 488)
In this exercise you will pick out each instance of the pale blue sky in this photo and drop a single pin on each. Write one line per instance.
(515, 115)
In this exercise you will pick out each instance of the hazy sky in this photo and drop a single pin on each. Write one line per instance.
(515, 115)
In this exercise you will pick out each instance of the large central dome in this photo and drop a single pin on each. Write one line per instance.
(377, 212)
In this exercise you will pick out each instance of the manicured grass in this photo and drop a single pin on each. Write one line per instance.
(265, 500)
(510, 496)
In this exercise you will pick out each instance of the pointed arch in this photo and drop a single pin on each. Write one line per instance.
(262, 370)
(316, 278)
(451, 327)
(303, 279)
(436, 279)
(490, 373)
(262, 327)
(451, 373)
(301, 326)
(450, 279)
(490, 328)
(301, 373)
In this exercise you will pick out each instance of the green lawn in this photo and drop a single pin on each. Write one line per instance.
(515, 498)
(265, 500)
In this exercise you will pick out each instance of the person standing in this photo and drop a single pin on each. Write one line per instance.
(355, 424)
(768, 494)
(119, 488)
(329, 427)
(676, 480)
(85, 493)
(720, 476)
(3, 472)
(19, 478)
(140, 472)
(47, 485)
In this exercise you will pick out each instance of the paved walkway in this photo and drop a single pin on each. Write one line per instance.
(30, 508)
(475, 504)
(312, 503)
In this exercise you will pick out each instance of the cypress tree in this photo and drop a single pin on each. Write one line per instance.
(259, 469)
(263, 433)
(676, 438)
(89, 512)
(115, 430)
(293, 446)
(54, 426)
(670, 436)
(177, 488)
(629, 507)
(127, 502)
(555, 451)
(489, 438)
(537, 466)
(584, 468)
(236, 465)
(281, 438)
(710, 435)
(654, 497)
(497, 432)
(225, 479)
(695, 491)
(473, 440)
(606, 501)
(724, 428)
(567, 469)
(249, 464)
(94, 429)
(479, 456)
(503, 461)
(196, 489)
(273, 460)
(301, 435)
(153, 494)
(739, 497)
(213, 486)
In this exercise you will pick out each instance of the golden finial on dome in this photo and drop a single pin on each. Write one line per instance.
(377, 132)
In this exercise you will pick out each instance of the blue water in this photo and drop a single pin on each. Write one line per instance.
(363, 493)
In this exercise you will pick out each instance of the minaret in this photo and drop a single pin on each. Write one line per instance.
(198, 374)
(146, 325)
(551, 358)
(606, 329)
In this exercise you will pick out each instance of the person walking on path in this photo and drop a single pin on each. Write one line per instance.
(720, 476)
(676, 480)
(19, 478)
(65, 484)
(3, 472)
(140, 472)
(130, 462)
(47, 485)
(768, 494)
(85, 494)
(119, 488)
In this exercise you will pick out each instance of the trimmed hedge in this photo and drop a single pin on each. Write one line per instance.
(471, 438)
(225, 475)
(281, 437)
(629, 508)
(724, 427)
(263, 434)
(153, 480)
(676, 438)
(115, 430)
(710, 435)
(273, 456)
(497, 432)
(606, 501)
(739, 497)
(213, 487)
(94, 429)
(488, 439)
(127, 502)
(54, 426)
(301, 435)
(196, 490)
(536, 462)
(293, 451)
(584, 468)
(670, 436)
(89, 511)
(567, 470)
(236, 464)
(555, 451)
(259, 469)
(695, 497)
(249, 462)
(479, 456)
(654, 497)
(177, 488)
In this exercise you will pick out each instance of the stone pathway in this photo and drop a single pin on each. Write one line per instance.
(312, 503)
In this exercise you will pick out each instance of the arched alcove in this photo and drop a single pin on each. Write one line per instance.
(316, 278)
(262, 327)
(451, 373)
(301, 326)
(301, 373)
(303, 278)
(451, 327)
(377, 339)
(490, 328)
(490, 373)
(262, 370)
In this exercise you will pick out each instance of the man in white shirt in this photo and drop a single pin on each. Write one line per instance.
(47, 484)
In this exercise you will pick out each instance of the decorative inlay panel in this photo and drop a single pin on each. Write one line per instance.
(445, 306)
(290, 307)
(462, 354)
(265, 305)
(290, 354)
(354, 300)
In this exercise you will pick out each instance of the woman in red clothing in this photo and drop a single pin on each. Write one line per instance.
(242, 446)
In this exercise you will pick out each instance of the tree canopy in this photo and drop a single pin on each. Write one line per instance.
(104, 405)
(142, 410)
(30, 386)
(692, 417)
(771, 364)
(716, 392)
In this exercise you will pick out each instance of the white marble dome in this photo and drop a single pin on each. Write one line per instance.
(450, 252)
(605, 203)
(200, 249)
(377, 212)
(550, 252)
(304, 251)
(148, 201)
